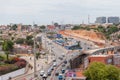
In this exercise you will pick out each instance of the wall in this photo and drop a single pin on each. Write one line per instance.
(12, 74)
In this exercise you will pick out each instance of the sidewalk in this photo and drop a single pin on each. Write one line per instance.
(40, 63)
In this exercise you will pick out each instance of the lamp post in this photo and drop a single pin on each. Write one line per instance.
(34, 59)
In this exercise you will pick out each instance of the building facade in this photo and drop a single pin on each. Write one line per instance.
(114, 20)
(100, 20)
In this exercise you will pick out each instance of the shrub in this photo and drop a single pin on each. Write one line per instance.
(14, 60)
(1, 58)
(21, 63)
(7, 68)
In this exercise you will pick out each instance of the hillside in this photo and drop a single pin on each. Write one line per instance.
(89, 35)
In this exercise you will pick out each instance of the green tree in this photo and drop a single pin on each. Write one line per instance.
(118, 36)
(14, 27)
(37, 55)
(76, 28)
(29, 37)
(100, 71)
(29, 42)
(7, 46)
(42, 27)
(20, 41)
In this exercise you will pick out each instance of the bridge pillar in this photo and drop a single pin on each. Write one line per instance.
(77, 62)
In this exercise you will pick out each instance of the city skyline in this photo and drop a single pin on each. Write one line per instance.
(44, 12)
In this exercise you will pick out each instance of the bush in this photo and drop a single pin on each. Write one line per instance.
(1, 58)
(7, 68)
(11, 65)
(14, 60)
(21, 63)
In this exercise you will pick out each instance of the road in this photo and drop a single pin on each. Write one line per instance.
(57, 51)
(85, 45)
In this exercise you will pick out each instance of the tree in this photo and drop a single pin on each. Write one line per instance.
(7, 46)
(113, 73)
(118, 36)
(29, 37)
(29, 42)
(14, 27)
(42, 27)
(56, 24)
(37, 55)
(76, 28)
(20, 41)
(100, 71)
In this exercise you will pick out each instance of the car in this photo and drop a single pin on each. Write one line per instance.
(44, 75)
(60, 58)
(63, 54)
(52, 67)
(60, 77)
(49, 72)
(54, 64)
(65, 62)
(54, 60)
(57, 73)
(42, 72)
(63, 71)
(63, 65)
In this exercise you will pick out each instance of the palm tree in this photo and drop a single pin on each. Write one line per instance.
(7, 46)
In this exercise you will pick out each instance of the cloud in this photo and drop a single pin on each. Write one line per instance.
(44, 11)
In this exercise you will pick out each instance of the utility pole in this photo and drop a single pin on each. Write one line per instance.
(34, 59)
(34, 52)
(88, 19)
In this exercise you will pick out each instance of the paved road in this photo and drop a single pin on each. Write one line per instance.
(58, 51)
(86, 46)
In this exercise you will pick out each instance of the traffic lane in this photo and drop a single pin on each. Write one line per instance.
(59, 63)
(58, 68)
(45, 69)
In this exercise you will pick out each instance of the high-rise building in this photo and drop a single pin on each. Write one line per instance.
(114, 20)
(100, 20)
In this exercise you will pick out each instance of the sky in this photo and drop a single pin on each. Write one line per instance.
(61, 11)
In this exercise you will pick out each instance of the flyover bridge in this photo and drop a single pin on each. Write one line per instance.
(79, 59)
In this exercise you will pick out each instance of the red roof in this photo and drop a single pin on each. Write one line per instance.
(51, 27)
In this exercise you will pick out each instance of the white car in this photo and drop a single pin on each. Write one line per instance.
(54, 64)
(44, 75)
(42, 72)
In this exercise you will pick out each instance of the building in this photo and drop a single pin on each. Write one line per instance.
(106, 59)
(116, 60)
(19, 27)
(100, 20)
(114, 20)
(77, 74)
